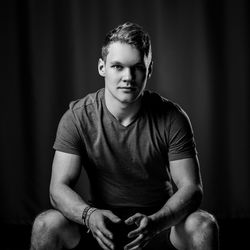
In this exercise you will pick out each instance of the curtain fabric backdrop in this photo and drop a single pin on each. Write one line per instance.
(50, 51)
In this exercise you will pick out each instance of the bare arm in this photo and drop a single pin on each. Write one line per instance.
(65, 172)
(66, 169)
(186, 176)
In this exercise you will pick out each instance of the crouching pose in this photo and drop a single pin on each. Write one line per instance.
(139, 153)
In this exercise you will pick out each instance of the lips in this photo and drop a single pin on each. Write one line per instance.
(128, 88)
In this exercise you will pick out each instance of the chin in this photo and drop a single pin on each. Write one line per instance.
(129, 100)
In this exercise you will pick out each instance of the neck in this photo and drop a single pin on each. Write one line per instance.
(125, 113)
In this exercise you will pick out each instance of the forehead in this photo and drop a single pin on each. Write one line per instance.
(124, 53)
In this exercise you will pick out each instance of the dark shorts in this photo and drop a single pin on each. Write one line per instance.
(120, 232)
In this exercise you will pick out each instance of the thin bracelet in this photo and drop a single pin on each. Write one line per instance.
(90, 211)
(84, 214)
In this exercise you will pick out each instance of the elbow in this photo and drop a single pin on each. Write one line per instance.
(200, 190)
(52, 196)
(197, 196)
(52, 201)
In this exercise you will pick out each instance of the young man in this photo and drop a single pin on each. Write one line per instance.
(139, 153)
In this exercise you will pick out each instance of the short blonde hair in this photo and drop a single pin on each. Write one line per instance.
(129, 33)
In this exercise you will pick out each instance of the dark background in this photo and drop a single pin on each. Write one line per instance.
(49, 55)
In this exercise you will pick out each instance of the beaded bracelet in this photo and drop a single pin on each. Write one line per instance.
(89, 212)
(84, 214)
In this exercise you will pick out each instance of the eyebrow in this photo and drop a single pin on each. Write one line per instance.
(115, 62)
(120, 63)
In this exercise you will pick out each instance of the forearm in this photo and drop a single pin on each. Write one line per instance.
(67, 201)
(183, 202)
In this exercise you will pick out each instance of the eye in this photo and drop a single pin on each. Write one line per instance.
(117, 67)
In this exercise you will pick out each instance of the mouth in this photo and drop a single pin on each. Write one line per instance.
(128, 88)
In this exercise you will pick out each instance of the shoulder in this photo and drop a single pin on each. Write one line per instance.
(84, 108)
(162, 109)
(158, 103)
(86, 102)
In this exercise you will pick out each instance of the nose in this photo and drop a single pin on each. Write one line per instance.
(128, 75)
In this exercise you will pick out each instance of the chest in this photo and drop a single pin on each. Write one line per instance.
(137, 151)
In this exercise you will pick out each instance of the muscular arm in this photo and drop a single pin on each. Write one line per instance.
(186, 176)
(65, 172)
(66, 169)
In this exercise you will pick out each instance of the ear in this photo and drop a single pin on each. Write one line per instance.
(101, 67)
(150, 69)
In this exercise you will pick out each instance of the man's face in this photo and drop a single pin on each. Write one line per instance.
(126, 72)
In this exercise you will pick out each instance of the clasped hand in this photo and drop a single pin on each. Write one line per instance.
(140, 236)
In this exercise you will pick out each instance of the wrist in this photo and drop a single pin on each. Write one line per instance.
(84, 214)
(87, 211)
(163, 218)
(90, 211)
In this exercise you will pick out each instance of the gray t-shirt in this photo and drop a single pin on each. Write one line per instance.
(127, 166)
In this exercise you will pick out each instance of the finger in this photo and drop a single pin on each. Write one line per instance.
(136, 248)
(133, 218)
(113, 217)
(135, 243)
(139, 219)
(104, 240)
(106, 232)
(102, 245)
(141, 229)
(136, 232)
(138, 245)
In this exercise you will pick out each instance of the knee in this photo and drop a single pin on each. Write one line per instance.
(46, 231)
(48, 222)
(198, 231)
(201, 222)
(51, 230)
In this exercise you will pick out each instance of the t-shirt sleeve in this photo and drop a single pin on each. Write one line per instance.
(181, 137)
(68, 136)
